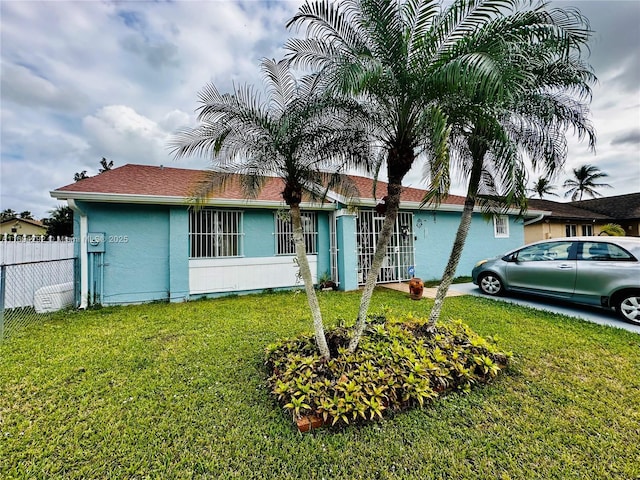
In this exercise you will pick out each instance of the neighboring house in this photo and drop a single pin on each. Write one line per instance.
(22, 228)
(140, 240)
(623, 209)
(585, 217)
(561, 220)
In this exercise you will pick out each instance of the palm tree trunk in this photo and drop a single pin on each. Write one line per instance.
(391, 214)
(458, 244)
(305, 273)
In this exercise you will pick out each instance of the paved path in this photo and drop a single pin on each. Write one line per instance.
(584, 312)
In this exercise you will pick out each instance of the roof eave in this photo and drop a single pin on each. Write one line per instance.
(172, 200)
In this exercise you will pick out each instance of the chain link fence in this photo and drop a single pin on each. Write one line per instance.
(33, 284)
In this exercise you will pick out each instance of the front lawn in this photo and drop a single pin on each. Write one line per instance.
(178, 391)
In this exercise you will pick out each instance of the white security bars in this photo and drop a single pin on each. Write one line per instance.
(400, 251)
(284, 233)
(215, 233)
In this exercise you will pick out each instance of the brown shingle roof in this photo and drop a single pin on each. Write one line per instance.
(409, 194)
(145, 180)
(621, 207)
(35, 223)
(161, 182)
(565, 211)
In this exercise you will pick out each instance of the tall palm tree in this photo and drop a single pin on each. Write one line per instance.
(300, 135)
(543, 187)
(584, 181)
(416, 62)
(532, 122)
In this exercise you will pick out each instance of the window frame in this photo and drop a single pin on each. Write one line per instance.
(283, 233)
(206, 242)
(570, 230)
(587, 226)
(497, 233)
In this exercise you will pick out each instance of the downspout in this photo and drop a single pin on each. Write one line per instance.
(84, 254)
(534, 220)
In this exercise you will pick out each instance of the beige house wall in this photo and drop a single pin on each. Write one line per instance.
(544, 230)
(22, 228)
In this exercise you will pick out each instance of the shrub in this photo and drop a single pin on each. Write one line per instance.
(400, 364)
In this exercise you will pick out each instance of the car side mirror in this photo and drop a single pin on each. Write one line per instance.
(510, 258)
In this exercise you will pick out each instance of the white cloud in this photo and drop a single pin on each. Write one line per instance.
(119, 132)
(86, 80)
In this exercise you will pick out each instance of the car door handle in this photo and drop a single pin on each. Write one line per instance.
(564, 266)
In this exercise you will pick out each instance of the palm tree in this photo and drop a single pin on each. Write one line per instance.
(301, 136)
(533, 121)
(60, 223)
(7, 214)
(543, 187)
(415, 63)
(612, 230)
(584, 181)
(105, 165)
(80, 176)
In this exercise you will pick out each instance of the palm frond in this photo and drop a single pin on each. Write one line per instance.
(280, 82)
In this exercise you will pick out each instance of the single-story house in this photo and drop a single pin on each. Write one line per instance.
(584, 217)
(624, 210)
(16, 227)
(140, 240)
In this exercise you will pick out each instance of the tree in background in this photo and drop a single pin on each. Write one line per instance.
(105, 165)
(543, 187)
(300, 135)
(7, 214)
(585, 181)
(60, 223)
(27, 215)
(80, 176)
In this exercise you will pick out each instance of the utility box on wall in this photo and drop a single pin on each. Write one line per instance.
(95, 242)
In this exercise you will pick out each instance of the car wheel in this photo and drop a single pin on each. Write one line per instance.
(490, 284)
(628, 307)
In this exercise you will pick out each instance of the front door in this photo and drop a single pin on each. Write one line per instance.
(399, 259)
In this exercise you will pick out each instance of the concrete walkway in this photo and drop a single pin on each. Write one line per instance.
(597, 315)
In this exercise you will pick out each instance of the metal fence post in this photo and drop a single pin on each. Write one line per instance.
(3, 270)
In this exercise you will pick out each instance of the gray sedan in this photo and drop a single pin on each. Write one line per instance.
(602, 271)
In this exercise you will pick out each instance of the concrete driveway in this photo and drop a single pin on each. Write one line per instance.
(584, 312)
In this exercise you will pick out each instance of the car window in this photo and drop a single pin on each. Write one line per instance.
(603, 252)
(545, 252)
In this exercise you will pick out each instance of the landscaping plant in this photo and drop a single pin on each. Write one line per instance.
(399, 364)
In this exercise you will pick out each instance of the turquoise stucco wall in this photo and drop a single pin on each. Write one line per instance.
(178, 251)
(136, 265)
(435, 232)
(260, 240)
(347, 250)
(324, 244)
(147, 247)
(146, 254)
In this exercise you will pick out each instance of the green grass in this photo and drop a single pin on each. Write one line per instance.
(178, 391)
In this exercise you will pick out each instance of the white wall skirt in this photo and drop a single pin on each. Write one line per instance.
(217, 275)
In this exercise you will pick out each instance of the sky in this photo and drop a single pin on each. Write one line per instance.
(85, 80)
